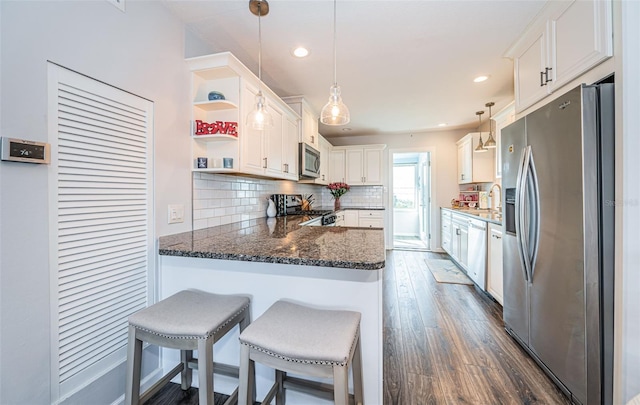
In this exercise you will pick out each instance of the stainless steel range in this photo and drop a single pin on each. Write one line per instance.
(291, 204)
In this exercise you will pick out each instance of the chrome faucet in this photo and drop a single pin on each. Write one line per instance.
(499, 207)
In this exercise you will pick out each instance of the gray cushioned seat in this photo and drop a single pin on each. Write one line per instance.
(292, 338)
(188, 320)
(189, 314)
(298, 333)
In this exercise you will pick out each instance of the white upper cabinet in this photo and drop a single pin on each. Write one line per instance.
(337, 163)
(290, 147)
(219, 130)
(354, 166)
(309, 125)
(474, 167)
(503, 118)
(530, 65)
(567, 39)
(363, 165)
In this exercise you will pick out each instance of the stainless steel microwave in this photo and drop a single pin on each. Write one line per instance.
(309, 161)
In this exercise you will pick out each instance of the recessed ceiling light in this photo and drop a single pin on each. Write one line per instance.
(480, 79)
(300, 52)
(347, 129)
(442, 124)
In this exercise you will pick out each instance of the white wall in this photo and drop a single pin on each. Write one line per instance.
(141, 51)
(444, 164)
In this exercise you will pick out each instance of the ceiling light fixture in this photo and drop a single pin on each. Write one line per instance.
(442, 124)
(259, 118)
(300, 52)
(491, 142)
(335, 112)
(480, 148)
(480, 79)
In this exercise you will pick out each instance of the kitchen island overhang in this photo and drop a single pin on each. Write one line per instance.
(323, 267)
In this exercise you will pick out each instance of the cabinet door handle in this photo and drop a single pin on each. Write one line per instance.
(546, 74)
(458, 231)
(313, 139)
(496, 236)
(323, 177)
(286, 167)
(542, 82)
(265, 163)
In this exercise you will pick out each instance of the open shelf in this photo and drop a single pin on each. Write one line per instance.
(216, 170)
(214, 137)
(215, 105)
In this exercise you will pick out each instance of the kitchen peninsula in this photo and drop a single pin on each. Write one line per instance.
(277, 258)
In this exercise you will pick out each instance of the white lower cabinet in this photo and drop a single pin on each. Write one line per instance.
(360, 218)
(494, 279)
(371, 219)
(460, 240)
(351, 218)
(445, 227)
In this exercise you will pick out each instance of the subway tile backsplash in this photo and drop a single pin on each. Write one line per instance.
(220, 199)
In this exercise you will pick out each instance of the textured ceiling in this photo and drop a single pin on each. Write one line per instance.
(403, 66)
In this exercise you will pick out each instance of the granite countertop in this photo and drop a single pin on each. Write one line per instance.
(282, 240)
(485, 215)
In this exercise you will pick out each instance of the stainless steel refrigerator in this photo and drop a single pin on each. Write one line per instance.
(558, 177)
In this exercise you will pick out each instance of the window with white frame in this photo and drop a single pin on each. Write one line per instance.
(405, 192)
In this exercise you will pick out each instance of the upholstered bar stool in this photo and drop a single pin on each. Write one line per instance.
(292, 338)
(189, 320)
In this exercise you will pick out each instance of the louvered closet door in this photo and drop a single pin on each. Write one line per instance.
(103, 223)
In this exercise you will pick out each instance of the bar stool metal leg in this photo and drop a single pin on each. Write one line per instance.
(356, 369)
(205, 371)
(134, 362)
(187, 373)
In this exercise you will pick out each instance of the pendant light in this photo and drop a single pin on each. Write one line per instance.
(335, 112)
(491, 142)
(259, 118)
(480, 148)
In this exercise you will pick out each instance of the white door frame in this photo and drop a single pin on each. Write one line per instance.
(432, 158)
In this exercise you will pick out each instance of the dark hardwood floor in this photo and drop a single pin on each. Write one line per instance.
(446, 343)
(443, 344)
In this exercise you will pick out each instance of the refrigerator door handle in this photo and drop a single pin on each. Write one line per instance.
(535, 216)
(519, 213)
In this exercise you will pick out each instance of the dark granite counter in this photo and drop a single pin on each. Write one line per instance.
(485, 215)
(282, 240)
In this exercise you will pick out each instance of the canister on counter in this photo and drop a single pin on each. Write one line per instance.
(483, 199)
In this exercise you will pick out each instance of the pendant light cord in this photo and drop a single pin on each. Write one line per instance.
(259, 47)
(335, 58)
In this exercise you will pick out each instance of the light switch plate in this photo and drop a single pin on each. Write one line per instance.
(176, 213)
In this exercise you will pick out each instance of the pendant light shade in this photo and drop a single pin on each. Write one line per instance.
(491, 142)
(480, 148)
(335, 112)
(259, 118)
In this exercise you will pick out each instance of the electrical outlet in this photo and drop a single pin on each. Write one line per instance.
(176, 213)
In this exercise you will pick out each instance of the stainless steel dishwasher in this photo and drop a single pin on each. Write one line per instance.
(477, 259)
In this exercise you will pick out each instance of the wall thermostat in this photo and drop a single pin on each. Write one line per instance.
(21, 150)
